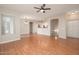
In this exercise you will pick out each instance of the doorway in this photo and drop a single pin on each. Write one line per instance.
(54, 27)
(31, 27)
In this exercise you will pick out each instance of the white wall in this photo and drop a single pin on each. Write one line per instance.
(62, 27)
(35, 27)
(44, 31)
(24, 28)
(73, 28)
(16, 35)
(19, 27)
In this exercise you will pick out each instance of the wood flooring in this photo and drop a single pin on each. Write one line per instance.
(41, 45)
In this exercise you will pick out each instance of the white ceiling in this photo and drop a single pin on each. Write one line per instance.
(28, 10)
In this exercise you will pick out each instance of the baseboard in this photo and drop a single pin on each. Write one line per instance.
(62, 38)
(9, 41)
(25, 35)
(73, 37)
(43, 34)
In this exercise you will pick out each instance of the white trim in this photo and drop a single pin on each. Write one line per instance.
(9, 41)
(43, 34)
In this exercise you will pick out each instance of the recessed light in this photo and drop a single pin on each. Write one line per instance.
(73, 13)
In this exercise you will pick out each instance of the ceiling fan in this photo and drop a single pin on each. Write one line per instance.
(42, 8)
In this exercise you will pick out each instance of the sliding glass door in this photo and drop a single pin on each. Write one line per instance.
(7, 25)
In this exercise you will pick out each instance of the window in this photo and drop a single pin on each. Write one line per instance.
(7, 24)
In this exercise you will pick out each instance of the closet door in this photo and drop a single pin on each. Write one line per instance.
(73, 29)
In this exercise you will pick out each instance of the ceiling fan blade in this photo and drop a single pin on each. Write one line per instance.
(36, 8)
(47, 9)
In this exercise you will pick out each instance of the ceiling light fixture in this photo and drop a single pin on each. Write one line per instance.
(73, 13)
(42, 10)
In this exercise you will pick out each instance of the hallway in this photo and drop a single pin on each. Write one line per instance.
(40, 45)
